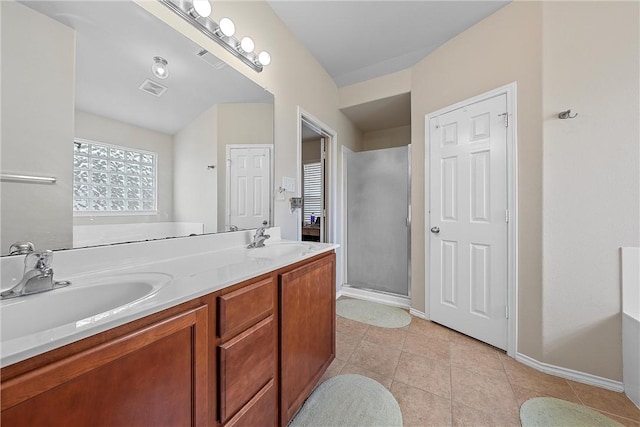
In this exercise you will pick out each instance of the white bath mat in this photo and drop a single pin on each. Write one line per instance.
(372, 313)
(548, 411)
(349, 400)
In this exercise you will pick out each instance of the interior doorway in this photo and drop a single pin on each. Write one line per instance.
(315, 219)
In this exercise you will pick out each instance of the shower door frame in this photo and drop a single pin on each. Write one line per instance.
(370, 294)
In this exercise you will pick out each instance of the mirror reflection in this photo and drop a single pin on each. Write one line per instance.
(146, 134)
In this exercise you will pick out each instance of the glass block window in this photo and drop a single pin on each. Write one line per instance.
(112, 179)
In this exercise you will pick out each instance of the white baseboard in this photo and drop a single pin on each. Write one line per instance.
(570, 374)
(392, 300)
(338, 293)
(417, 313)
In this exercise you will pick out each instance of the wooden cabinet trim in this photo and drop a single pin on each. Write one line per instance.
(34, 382)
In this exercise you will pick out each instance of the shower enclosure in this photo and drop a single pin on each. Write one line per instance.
(378, 220)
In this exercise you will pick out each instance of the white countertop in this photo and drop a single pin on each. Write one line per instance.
(180, 278)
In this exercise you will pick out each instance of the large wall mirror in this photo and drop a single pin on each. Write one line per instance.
(135, 154)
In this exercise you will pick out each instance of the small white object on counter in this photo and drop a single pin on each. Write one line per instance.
(113, 285)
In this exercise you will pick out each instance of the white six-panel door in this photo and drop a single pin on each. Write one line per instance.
(248, 186)
(468, 220)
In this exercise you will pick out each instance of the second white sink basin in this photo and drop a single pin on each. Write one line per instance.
(78, 303)
(278, 250)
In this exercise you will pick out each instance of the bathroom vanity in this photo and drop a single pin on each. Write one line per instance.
(229, 352)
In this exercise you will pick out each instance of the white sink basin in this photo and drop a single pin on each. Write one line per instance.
(279, 250)
(78, 304)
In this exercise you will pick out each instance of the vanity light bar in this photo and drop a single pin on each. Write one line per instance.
(209, 27)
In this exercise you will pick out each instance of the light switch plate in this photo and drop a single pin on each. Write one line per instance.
(289, 184)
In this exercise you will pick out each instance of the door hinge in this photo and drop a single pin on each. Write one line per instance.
(228, 162)
(506, 311)
(506, 119)
(507, 215)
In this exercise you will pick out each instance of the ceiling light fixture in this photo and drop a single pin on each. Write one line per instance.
(160, 67)
(196, 12)
(247, 44)
(264, 58)
(200, 8)
(226, 27)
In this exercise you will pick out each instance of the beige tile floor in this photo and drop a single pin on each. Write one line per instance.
(441, 378)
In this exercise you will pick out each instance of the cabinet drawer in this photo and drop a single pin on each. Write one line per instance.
(240, 309)
(260, 411)
(247, 363)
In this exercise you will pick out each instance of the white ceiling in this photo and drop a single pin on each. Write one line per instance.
(359, 40)
(115, 45)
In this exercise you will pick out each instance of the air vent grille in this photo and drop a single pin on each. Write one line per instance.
(211, 59)
(155, 89)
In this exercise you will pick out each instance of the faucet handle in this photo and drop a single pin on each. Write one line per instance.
(39, 260)
(21, 248)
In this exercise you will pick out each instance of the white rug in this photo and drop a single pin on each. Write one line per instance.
(548, 411)
(372, 313)
(349, 400)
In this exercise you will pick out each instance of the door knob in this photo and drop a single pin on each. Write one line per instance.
(435, 230)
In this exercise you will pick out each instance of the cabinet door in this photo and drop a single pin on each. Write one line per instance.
(151, 377)
(307, 331)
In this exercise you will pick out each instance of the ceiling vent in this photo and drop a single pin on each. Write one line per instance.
(155, 89)
(211, 59)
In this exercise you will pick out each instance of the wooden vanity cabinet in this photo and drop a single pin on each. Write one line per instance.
(307, 330)
(154, 375)
(247, 354)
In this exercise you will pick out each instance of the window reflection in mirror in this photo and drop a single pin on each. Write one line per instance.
(82, 71)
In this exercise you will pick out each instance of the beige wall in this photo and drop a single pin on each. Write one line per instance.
(196, 187)
(503, 48)
(387, 138)
(38, 70)
(379, 88)
(578, 186)
(591, 178)
(109, 131)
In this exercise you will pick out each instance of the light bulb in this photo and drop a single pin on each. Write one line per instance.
(264, 58)
(227, 27)
(247, 44)
(160, 67)
(200, 8)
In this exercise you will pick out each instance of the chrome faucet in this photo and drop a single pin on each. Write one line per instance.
(259, 237)
(37, 277)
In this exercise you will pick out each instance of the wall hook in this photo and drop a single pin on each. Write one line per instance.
(211, 167)
(567, 115)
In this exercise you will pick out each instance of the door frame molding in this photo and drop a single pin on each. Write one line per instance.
(510, 90)
(331, 170)
(227, 184)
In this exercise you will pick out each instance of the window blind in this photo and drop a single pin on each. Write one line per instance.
(312, 190)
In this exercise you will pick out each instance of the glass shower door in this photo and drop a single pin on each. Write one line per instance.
(377, 220)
